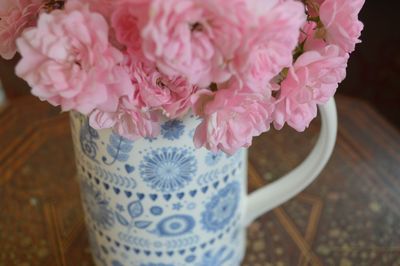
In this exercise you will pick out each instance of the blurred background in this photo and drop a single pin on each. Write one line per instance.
(373, 72)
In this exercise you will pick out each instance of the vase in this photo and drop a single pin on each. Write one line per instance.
(162, 202)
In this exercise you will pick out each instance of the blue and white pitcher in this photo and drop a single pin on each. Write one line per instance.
(161, 202)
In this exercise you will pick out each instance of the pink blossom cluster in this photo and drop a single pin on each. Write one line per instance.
(15, 16)
(240, 65)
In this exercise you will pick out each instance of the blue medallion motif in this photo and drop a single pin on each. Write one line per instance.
(222, 207)
(172, 129)
(87, 138)
(97, 206)
(168, 169)
(118, 149)
(175, 225)
(213, 158)
(217, 259)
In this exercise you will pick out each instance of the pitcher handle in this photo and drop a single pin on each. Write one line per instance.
(280, 191)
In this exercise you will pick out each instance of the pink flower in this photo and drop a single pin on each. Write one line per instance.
(192, 39)
(312, 80)
(295, 111)
(15, 16)
(104, 7)
(147, 81)
(309, 37)
(131, 119)
(230, 118)
(211, 40)
(127, 20)
(267, 47)
(155, 91)
(68, 61)
(127, 121)
(340, 19)
(181, 92)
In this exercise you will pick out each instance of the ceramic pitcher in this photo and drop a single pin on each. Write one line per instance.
(162, 202)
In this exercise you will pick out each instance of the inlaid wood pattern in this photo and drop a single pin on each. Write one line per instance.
(349, 216)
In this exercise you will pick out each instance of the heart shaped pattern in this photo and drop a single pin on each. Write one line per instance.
(129, 168)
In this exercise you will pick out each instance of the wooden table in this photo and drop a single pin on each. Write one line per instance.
(349, 216)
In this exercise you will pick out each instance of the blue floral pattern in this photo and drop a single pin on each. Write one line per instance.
(118, 149)
(213, 158)
(172, 129)
(135, 210)
(218, 259)
(88, 137)
(97, 206)
(159, 201)
(168, 169)
(221, 209)
(175, 225)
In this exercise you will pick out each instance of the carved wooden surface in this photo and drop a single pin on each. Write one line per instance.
(349, 216)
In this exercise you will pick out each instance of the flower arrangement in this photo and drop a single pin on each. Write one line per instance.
(240, 65)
